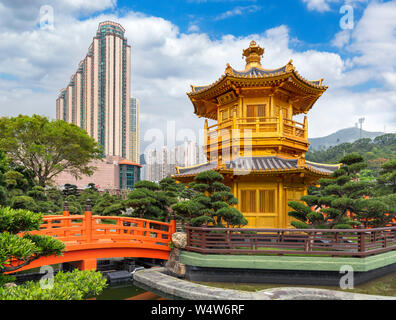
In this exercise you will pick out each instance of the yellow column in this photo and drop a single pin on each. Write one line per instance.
(280, 122)
(281, 206)
(305, 127)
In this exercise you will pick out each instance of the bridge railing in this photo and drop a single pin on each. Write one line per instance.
(94, 229)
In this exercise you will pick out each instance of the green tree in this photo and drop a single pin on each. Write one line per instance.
(210, 202)
(150, 202)
(24, 248)
(70, 190)
(387, 177)
(344, 201)
(46, 147)
(340, 195)
(108, 205)
(23, 202)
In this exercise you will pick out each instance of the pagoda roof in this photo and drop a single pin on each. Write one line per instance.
(259, 164)
(256, 77)
(259, 73)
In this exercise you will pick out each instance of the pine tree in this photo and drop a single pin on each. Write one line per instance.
(331, 205)
(387, 177)
(210, 202)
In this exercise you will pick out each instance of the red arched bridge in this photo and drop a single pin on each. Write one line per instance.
(88, 237)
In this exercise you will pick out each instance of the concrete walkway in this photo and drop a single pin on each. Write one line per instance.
(157, 279)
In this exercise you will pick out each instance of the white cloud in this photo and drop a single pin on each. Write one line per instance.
(317, 5)
(325, 5)
(238, 11)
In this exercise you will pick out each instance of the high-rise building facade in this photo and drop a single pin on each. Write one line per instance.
(135, 131)
(163, 162)
(97, 97)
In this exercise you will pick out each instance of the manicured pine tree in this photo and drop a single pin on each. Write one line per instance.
(330, 205)
(387, 177)
(210, 202)
(149, 201)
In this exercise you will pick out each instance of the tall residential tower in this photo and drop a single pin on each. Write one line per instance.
(97, 97)
(134, 132)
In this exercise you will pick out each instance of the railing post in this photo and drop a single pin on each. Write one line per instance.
(188, 232)
(66, 209)
(172, 225)
(66, 213)
(361, 239)
(203, 237)
(280, 119)
(88, 220)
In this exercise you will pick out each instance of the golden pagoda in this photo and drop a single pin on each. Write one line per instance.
(255, 143)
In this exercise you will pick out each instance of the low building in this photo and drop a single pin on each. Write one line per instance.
(111, 174)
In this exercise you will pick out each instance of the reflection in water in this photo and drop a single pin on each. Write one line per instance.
(126, 292)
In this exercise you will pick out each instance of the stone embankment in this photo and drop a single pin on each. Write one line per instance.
(157, 279)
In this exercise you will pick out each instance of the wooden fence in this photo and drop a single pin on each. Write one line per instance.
(332, 242)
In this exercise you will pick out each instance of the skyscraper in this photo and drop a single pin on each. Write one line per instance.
(135, 133)
(97, 97)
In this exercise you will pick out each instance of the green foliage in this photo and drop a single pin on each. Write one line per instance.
(75, 285)
(15, 180)
(23, 202)
(387, 177)
(27, 247)
(375, 152)
(15, 221)
(346, 200)
(149, 201)
(46, 148)
(209, 201)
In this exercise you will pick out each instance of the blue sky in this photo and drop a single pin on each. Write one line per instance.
(181, 42)
(239, 18)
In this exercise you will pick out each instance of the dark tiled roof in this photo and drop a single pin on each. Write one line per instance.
(195, 89)
(322, 166)
(260, 163)
(198, 168)
(258, 72)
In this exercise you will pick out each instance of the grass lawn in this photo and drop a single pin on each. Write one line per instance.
(384, 286)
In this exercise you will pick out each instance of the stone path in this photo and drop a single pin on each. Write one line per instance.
(157, 279)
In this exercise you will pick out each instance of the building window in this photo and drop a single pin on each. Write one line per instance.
(224, 115)
(255, 111)
(267, 200)
(248, 200)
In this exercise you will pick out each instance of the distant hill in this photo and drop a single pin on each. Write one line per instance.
(342, 136)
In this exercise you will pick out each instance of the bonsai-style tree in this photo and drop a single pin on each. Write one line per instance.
(387, 177)
(17, 251)
(149, 201)
(28, 247)
(46, 147)
(210, 202)
(330, 205)
(107, 205)
(70, 190)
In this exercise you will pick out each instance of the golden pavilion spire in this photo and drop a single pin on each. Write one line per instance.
(253, 55)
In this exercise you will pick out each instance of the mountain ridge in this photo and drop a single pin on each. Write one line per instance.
(342, 136)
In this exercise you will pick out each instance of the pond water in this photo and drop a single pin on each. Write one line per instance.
(129, 291)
